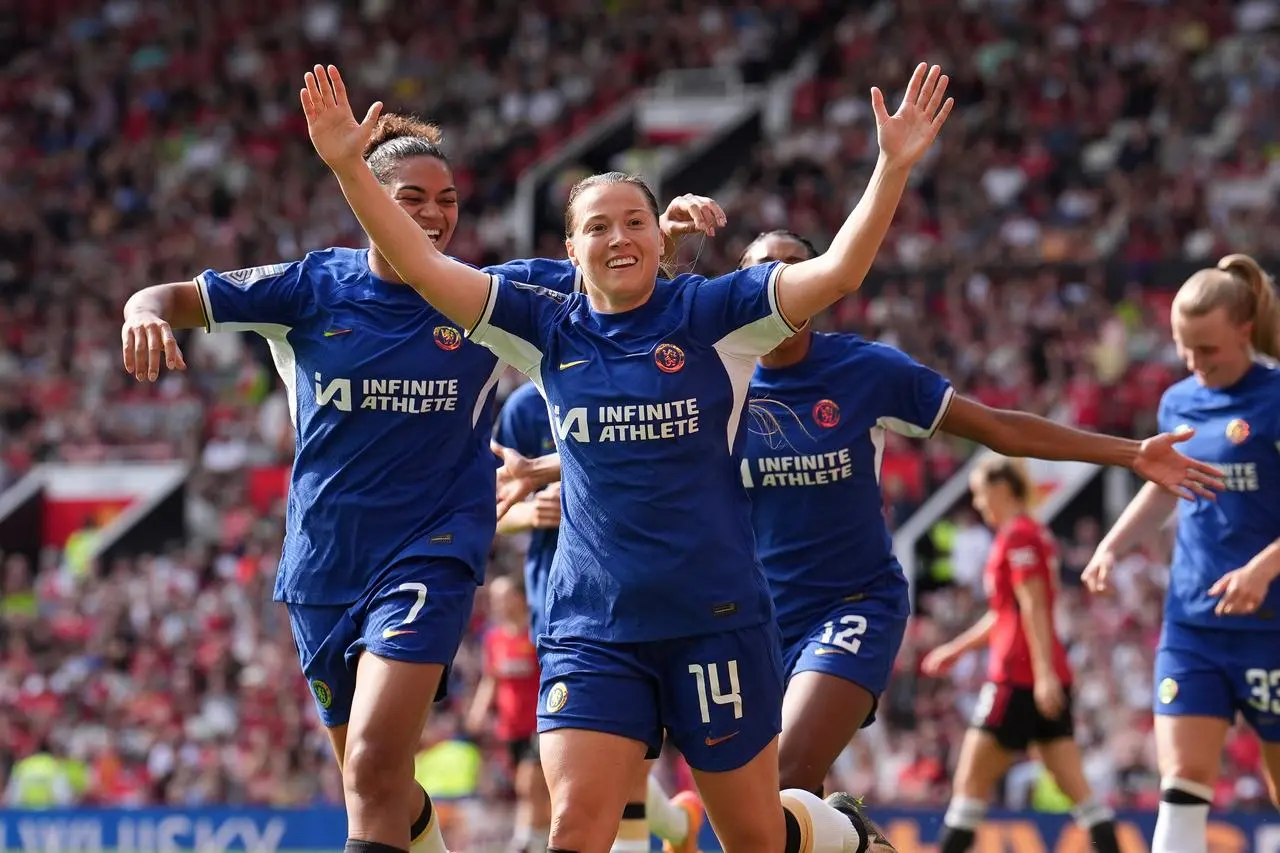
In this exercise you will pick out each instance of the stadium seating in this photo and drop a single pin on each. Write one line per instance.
(1099, 148)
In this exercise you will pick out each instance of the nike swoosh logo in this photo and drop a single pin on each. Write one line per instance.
(333, 333)
(392, 632)
(565, 365)
(716, 741)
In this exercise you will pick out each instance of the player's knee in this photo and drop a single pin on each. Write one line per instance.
(1192, 768)
(375, 771)
(754, 832)
(580, 821)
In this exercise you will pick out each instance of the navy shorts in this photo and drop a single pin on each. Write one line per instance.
(417, 616)
(1205, 673)
(718, 697)
(857, 640)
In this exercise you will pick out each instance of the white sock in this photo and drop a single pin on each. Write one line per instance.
(822, 828)
(633, 832)
(1090, 813)
(667, 820)
(430, 841)
(1183, 820)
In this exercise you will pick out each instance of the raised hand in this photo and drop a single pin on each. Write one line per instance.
(692, 214)
(338, 138)
(908, 133)
(1159, 462)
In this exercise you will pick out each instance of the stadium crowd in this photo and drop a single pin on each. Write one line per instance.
(1110, 135)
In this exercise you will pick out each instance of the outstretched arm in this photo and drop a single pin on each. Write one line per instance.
(1021, 434)
(454, 289)
(806, 288)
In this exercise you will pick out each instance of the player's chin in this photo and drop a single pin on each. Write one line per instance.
(633, 280)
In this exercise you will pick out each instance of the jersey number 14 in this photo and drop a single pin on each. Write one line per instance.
(711, 673)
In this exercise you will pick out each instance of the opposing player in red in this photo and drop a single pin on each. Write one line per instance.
(1026, 703)
(510, 684)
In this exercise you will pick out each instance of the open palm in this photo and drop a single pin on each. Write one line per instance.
(1160, 462)
(908, 133)
(338, 138)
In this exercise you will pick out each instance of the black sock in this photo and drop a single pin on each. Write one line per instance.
(356, 846)
(793, 832)
(955, 840)
(424, 818)
(819, 792)
(1103, 836)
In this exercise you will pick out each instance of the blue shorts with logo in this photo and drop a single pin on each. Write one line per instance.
(1206, 673)
(718, 697)
(856, 640)
(417, 615)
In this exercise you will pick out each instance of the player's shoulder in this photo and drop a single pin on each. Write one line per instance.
(1179, 394)
(334, 267)
(1026, 531)
(560, 276)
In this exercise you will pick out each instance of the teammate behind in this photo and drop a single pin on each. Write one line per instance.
(1027, 699)
(1219, 650)
(510, 683)
(390, 513)
(524, 427)
(648, 381)
(820, 404)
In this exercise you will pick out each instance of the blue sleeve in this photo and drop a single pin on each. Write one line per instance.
(738, 313)
(912, 399)
(274, 295)
(1164, 411)
(517, 428)
(517, 320)
(560, 276)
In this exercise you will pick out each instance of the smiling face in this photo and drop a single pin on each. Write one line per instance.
(1213, 348)
(424, 187)
(614, 237)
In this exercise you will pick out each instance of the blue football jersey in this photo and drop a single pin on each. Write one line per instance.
(647, 409)
(392, 408)
(1238, 430)
(812, 468)
(524, 426)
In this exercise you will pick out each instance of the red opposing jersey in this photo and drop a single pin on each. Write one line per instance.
(1022, 550)
(512, 662)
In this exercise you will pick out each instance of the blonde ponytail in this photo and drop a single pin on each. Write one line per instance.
(1266, 304)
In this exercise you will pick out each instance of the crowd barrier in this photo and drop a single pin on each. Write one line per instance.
(322, 830)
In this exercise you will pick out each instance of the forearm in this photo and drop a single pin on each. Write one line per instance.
(1142, 517)
(1037, 624)
(815, 284)
(1021, 434)
(976, 636)
(1268, 561)
(545, 470)
(517, 519)
(177, 303)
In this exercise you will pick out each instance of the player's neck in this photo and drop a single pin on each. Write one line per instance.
(379, 266)
(1003, 516)
(789, 352)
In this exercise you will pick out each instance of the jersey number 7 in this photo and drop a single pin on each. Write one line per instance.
(712, 673)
